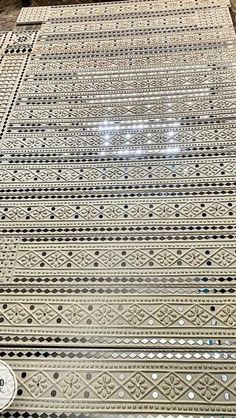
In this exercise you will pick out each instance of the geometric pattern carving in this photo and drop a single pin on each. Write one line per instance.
(143, 312)
(174, 109)
(117, 172)
(156, 41)
(116, 257)
(120, 318)
(111, 140)
(102, 211)
(211, 57)
(78, 25)
(156, 382)
(104, 85)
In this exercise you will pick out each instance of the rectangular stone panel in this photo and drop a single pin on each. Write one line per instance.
(117, 208)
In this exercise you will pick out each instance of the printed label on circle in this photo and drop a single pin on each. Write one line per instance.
(8, 385)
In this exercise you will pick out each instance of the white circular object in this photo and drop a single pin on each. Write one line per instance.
(155, 394)
(121, 393)
(8, 385)
(227, 396)
(191, 395)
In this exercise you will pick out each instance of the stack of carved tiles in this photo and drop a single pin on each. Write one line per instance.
(117, 210)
